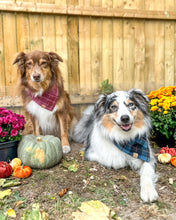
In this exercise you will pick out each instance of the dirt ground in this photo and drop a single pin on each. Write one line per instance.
(118, 189)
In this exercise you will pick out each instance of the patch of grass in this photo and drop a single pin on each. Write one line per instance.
(162, 205)
(68, 202)
(123, 201)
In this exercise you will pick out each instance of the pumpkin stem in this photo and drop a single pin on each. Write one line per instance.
(39, 139)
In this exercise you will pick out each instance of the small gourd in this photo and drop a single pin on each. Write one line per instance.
(164, 158)
(40, 151)
(173, 161)
(16, 162)
(22, 172)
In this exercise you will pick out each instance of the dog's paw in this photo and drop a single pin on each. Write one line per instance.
(149, 193)
(66, 149)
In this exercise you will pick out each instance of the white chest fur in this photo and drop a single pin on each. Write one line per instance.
(47, 119)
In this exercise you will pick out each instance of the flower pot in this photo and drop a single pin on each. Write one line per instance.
(8, 150)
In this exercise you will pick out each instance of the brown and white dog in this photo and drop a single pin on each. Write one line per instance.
(44, 98)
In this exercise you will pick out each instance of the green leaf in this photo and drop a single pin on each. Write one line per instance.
(73, 168)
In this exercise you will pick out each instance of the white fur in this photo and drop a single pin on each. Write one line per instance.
(46, 119)
(66, 149)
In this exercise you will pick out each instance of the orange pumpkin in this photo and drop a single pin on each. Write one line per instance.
(173, 161)
(22, 172)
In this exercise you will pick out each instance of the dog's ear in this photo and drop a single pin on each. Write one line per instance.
(140, 99)
(20, 60)
(55, 58)
(99, 106)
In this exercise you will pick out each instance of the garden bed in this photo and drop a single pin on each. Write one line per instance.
(118, 189)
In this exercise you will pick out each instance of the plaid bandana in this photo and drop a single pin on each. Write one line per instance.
(138, 148)
(48, 99)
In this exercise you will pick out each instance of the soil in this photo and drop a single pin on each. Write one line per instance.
(118, 189)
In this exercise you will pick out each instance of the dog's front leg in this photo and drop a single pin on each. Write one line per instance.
(64, 133)
(36, 128)
(148, 179)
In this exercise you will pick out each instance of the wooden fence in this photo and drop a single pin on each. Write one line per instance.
(130, 42)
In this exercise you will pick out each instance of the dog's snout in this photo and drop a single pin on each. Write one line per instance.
(125, 118)
(36, 76)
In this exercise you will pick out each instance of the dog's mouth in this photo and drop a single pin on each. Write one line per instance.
(124, 127)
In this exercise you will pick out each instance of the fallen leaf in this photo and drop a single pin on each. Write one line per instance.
(19, 203)
(73, 167)
(171, 181)
(81, 153)
(63, 192)
(11, 213)
(45, 216)
(35, 213)
(122, 178)
(2, 181)
(95, 210)
(11, 183)
(116, 188)
(5, 193)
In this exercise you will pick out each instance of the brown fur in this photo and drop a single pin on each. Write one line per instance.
(46, 65)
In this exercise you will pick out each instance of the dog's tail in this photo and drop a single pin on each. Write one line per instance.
(84, 126)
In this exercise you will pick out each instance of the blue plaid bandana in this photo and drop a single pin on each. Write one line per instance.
(137, 148)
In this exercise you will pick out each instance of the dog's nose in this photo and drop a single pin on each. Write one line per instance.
(125, 118)
(36, 76)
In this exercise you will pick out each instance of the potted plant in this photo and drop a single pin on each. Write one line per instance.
(163, 115)
(11, 127)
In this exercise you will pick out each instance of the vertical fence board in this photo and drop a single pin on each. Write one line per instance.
(10, 49)
(23, 32)
(96, 48)
(73, 54)
(2, 71)
(139, 55)
(84, 55)
(48, 33)
(73, 60)
(149, 57)
(36, 34)
(128, 35)
(169, 53)
(61, 46)
(118, 52)
(107, 44)
(159, 54)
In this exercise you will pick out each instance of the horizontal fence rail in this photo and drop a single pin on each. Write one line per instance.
(30, 7)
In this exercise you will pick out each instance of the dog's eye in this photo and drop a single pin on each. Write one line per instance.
(29, 64)
(131, 105)
(113, 108)
(44, 64)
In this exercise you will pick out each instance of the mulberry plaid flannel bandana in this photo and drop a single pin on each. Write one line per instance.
(48, 99)
(137, 148)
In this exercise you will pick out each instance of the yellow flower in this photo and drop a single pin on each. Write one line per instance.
(173, 104)
(153, 101)
(165, 112)
(160, 104)
(154, 108)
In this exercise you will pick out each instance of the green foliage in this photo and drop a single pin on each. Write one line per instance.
(106, 87)
(164, 124)
(34, 214)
